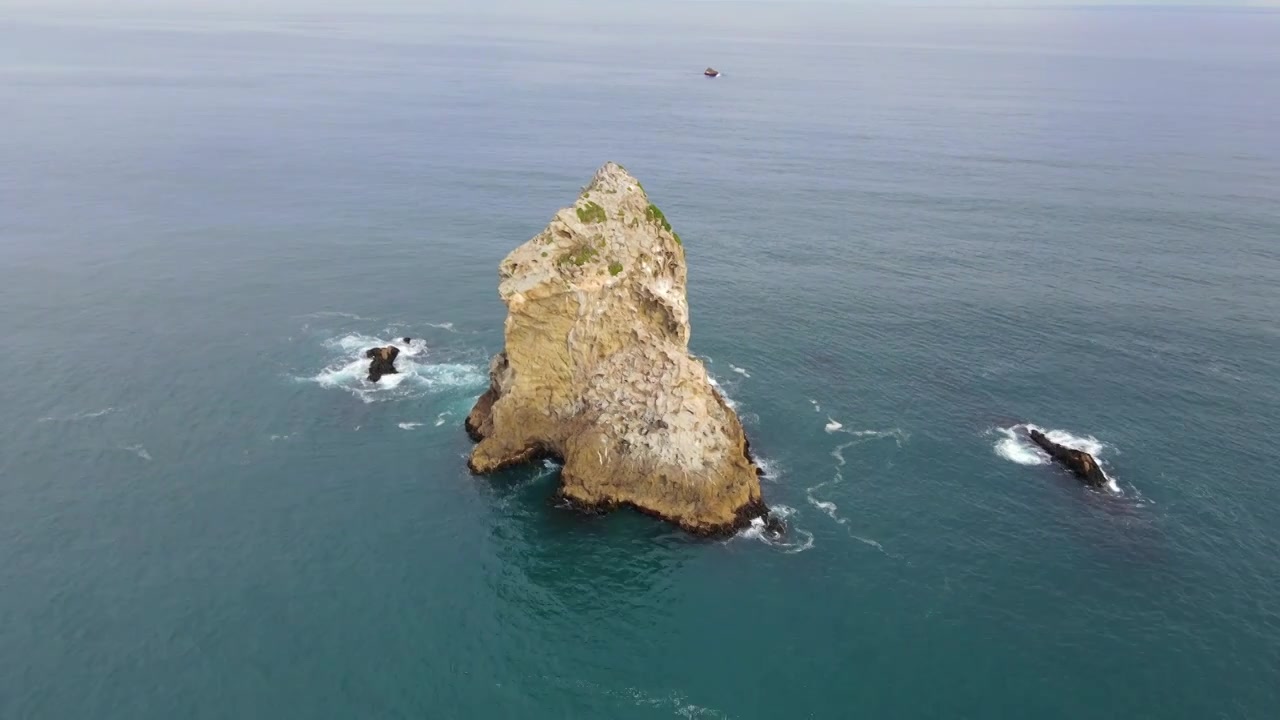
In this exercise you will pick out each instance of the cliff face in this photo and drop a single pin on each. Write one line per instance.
(596, 370)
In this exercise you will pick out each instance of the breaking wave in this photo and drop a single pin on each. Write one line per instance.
(733, 404)
(416, 376)
(796, 540)
(768, 467)
(1014, 444)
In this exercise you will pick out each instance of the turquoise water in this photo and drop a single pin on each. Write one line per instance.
(907, 232)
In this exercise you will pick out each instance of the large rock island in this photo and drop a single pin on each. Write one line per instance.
(596, 370)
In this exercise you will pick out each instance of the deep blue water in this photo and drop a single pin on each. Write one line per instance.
(907, 231)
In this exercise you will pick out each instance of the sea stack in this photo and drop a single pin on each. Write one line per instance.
(1080, 463)
(596, 370)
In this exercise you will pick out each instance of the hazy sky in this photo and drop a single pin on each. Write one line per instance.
(159, 9)
(367, 5)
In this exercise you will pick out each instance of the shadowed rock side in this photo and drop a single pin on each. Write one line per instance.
(596, 370)
(1080, 463)
(383, 361)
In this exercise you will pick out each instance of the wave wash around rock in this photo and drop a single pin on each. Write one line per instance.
(596, 370)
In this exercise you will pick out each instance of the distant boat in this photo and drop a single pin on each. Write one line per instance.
(711, 72)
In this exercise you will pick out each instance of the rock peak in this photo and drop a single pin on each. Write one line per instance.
(612, 177)
(596, 369)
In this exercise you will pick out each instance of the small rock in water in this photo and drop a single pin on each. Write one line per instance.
(774, 527)
(1080, 463)
(384, 359)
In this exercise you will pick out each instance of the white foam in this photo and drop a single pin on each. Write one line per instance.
(333, 313)
(414, 379)
(409, 425)
(78, 416)
(357, 343)
(816, 407)
(549, 468)
(868, 541)
(782, 512)
(1088, 443)
(676, 703)
(801, 546)
(768, 467)
(739, 370)
(443, 326)
(838, 452)
(733, 405)
(139, 451)
(440, 418)
(1014, 444)
(755, 531)
(898, 434)
(1014, 447)
(825, 506)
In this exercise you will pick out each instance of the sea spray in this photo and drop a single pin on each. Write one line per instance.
(416, 378)
(1013, 443)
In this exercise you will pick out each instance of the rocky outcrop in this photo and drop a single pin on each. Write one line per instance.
(1080, 463)
(596, 370)
(383, 361)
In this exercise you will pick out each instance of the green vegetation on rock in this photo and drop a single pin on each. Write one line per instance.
(615, 268)
(580, 255)
(592, 213)
(655, 215)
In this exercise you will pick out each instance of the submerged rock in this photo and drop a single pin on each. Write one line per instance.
(774, 527)
(596, 370)
(384, 359)
(1080, 463)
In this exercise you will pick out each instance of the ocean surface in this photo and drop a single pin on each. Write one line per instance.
(908, 233)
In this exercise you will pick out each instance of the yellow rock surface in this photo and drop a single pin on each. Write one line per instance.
(596, 370)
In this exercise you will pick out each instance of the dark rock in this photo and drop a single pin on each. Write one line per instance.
(406, 340)
(774, 528)
(1080, 463)
(711, 72)
(384, 359)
